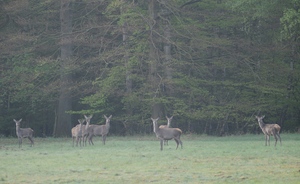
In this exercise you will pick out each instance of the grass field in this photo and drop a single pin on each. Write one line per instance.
(203, 159)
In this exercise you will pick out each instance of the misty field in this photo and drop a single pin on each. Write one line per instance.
(138, 159)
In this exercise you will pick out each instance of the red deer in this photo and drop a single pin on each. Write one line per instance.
(269, 129)
(85, 129)
(166, 134)
(99, 130)
(167, 126)
(23, 133)
(77, 132)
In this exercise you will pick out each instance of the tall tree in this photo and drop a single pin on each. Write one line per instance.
(63, 124)
(154, 77)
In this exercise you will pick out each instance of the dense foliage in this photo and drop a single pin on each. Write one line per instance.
(211, 64)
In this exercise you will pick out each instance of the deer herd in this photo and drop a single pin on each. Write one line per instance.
(164, 133)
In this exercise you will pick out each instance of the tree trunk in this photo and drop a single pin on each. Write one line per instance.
(167, 43)
(63, 127)
(153, 75)
(128, 81)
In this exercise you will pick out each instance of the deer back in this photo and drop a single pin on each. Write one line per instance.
(25, 132)
(168, 133)
(100, 129)
(270, 129)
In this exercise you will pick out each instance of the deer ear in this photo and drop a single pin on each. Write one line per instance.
(263, 116)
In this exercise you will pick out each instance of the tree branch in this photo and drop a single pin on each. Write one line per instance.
(190, 2)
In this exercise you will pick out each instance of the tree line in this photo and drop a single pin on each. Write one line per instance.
(213, 65)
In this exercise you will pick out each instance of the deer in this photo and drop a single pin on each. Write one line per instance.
(269, 129)
(99, 130)
(86, 128)
(77, 132)
(23, 133)
(167, 126)
(166, 134)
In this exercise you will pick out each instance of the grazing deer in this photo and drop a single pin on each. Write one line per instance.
(77, 132)
(23, 133)
(269, 129)
(166, 134)
(167, 126)
(85, 129)
(100, 130)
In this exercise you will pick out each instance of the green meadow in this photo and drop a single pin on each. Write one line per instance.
(138, 159)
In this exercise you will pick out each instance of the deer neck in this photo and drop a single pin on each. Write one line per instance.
(155, 128)
(261, 123)
(18, 128)
(107, 125)
(87, 125)
(80, 128)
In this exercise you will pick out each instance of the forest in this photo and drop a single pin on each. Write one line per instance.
(211, 64)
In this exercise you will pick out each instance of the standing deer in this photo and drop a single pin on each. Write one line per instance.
(100, 130)
(77, 132)
(85, 129)
(167, 126)
(269, 129)
(23, 133)
(166, 134)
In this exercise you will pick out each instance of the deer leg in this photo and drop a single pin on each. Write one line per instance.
(161, 144)
(266, 138)
(86, 138)
(177, 142)
(83, 140)
(165, 142)
(73, 140)
(279, 138)
(31, 140)
(103, 139)
(91, 139)
(275, 137)
(180, 143)
(20, 142)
